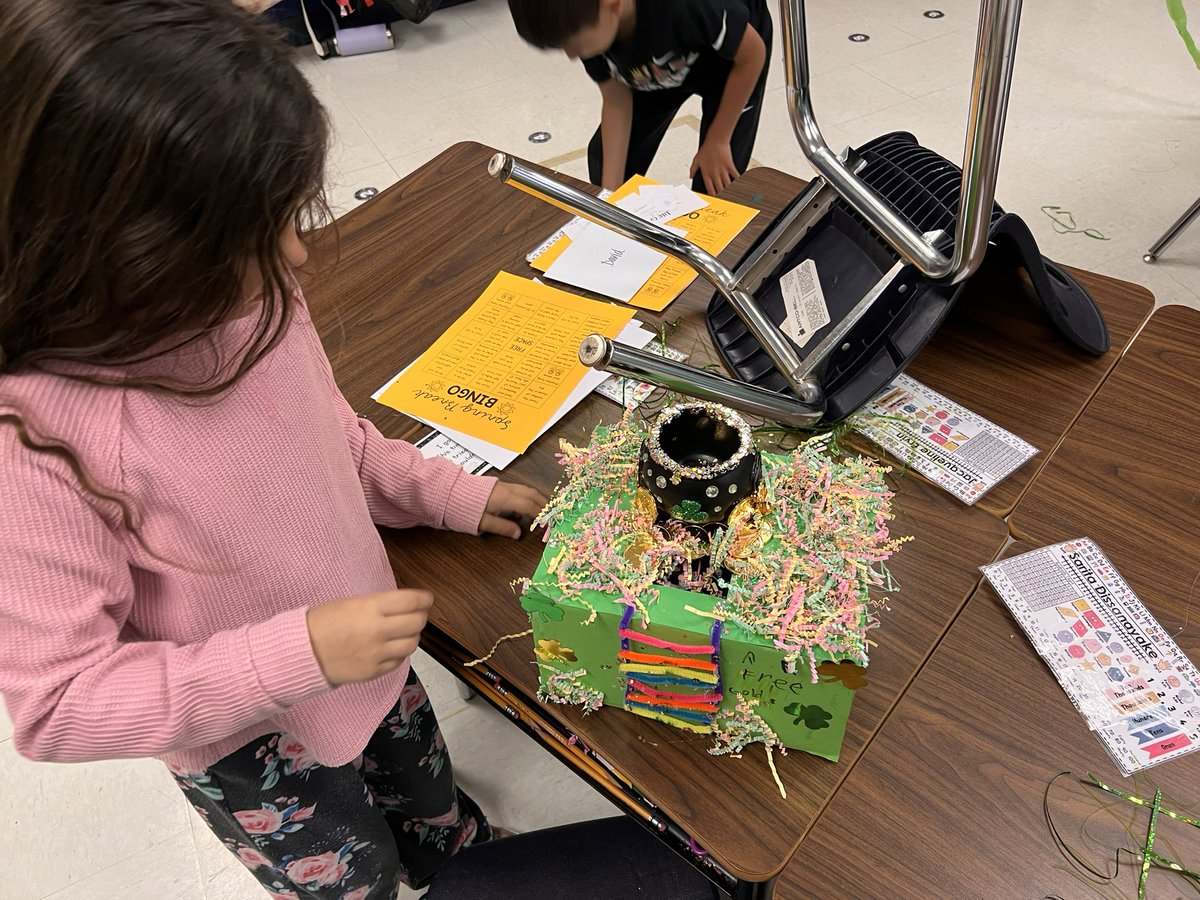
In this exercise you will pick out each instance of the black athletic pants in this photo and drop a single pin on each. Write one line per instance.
(653, 112)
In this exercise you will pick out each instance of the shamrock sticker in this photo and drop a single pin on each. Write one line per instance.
(535, 604)
(548, 651)
(813, 717)
(688, 511)
(850, 675)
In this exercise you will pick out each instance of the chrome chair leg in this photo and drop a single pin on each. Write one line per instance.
(1173, 232)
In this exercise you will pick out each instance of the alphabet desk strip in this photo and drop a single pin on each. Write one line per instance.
(1131, 682)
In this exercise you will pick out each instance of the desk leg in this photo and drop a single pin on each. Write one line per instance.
(754, 890)
(592, 768)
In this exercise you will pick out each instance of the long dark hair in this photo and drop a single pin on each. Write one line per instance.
(152, 153)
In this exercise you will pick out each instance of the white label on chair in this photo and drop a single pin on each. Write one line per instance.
(804, 303)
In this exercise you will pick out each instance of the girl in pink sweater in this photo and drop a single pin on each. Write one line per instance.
(189, 566)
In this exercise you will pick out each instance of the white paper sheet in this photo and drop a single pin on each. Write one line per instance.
(604, 262)
(661, 203)
(437, 444)
(570, 229)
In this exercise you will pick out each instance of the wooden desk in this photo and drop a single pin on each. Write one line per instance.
(1126, 475)
(411, 260)
(950, 793)
(999, 356)
(948, 799)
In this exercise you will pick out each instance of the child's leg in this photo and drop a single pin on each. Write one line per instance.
(652, 115)
(304, 830)
(408, 772)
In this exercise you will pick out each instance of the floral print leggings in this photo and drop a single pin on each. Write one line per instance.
(354, 832)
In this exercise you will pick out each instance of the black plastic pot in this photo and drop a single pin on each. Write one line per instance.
(698, 460)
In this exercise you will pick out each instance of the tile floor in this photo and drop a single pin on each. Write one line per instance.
(1101, 123)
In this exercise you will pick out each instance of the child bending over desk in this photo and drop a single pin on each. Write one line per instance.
(189, 566)
(648, 57)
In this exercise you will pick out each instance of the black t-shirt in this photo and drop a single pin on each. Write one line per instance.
(676, 42)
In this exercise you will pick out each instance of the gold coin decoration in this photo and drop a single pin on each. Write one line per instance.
(641, 543)
(748, 534)
(743, 510)
(644, 506)
(744, 549)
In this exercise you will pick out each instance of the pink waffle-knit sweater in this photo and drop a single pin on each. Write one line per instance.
(188, 640)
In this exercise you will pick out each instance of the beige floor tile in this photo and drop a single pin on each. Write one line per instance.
(829, 27)
(67, 822)
(440, 684)
(850, 93)
(518, 784)
(909, 16)
(351, 148)
(489, 18)
(929, 66)
(340, 186)
(5, 723)
(441, 57)
(501, 114)
(167, 869)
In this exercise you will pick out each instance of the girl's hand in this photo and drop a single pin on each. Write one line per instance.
(510, 508)
(362, 638)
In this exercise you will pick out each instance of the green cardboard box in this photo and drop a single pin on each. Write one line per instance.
(568, 638)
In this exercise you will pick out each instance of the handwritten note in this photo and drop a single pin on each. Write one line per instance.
(711, 228)
(603, 261)
(505, 367)
(437, 444)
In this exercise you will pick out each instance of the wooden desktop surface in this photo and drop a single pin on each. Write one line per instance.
(952, 795)
(412, 260)
(1000, 356)
(1126, 476)
(952, 790)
